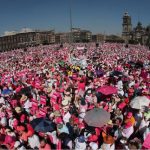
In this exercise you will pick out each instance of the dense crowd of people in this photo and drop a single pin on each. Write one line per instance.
(46, 92)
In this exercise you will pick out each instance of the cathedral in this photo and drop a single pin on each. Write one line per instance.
(136, 35)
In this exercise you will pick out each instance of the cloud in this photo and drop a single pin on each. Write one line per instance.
(26, 30)
(23, 30)
(6, 33)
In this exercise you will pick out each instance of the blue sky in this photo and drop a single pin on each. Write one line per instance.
(95, 15)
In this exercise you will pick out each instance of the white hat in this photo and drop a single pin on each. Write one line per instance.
(67, 98)
(89, 91)
(4, 121)
(2, 101)
(65, 102)
(93, 145)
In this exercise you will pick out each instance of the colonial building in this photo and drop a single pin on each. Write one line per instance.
(98, 38)
(62, 38)
(21, 40)
(138, 34)
(86, 36)
(127, 26)
(114, 39)
(77, 35)
(148, 35)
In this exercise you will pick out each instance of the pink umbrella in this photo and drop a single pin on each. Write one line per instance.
(107, 90)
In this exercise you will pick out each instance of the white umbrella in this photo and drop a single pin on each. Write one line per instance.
(97, 117)
(139, 102)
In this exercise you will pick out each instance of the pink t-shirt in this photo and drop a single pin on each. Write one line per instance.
(81, 86)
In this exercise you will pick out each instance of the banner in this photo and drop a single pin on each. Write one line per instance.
(78, 62)
(80, 48)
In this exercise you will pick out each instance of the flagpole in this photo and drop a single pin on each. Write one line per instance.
(71, 36)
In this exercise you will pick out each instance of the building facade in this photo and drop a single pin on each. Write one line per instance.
(79, 35)
(114, 39)
(137, 35)
(127, 26)
(62, 38)
(86, 36)
(98, 38)
(21, 40)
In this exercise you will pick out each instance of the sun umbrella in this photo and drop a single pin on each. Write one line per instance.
(26, 91)
(139, 102)
(99, 73)
(107, 90)
(139, 64)
(6, 92)
(42, 125)
(116, 73)
(97, 117)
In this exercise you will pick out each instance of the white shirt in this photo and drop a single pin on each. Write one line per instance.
(34, 141)
(127, 132)
(80, 146)
(120, 85)
(54, 137)
(121, 92)
(27, 104)
(131, 84)
(21, 148)
(66, 117)
(143, 124)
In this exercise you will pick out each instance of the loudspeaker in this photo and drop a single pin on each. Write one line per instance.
(97, 44)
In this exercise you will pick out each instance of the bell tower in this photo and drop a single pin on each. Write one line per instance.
(127, 26)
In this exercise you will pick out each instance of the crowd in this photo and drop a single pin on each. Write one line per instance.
(46, 92)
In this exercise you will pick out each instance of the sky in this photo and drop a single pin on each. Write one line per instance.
(99, 16)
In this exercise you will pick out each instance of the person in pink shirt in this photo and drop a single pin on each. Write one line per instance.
(81, 85)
